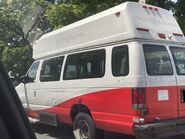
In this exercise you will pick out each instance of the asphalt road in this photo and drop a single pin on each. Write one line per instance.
(65, 132)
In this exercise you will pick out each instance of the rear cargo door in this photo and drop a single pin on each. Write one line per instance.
(178, 54)
(161, 90)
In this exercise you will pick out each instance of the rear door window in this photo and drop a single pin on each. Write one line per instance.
(157, 60)
(178, 54)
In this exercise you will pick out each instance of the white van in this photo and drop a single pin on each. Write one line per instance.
(122, 70)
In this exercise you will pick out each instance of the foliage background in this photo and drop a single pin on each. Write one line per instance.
(23, 21)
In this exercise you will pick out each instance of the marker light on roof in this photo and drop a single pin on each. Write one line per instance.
(162, 36)
(118, 14)
(151, 8)
(143, 29)
(178, 34)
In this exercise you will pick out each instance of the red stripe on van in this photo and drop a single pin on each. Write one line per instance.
(112, 109)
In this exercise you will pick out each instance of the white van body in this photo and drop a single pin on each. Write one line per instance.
(132, 25)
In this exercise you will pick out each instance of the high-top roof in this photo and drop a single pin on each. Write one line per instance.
(129, 20)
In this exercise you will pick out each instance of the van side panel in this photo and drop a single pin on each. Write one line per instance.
(109, 109)
(109, 98)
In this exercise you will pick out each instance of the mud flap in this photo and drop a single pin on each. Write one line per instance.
(77, 133)
(48, 118)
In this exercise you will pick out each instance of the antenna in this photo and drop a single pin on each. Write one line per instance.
(142, 1)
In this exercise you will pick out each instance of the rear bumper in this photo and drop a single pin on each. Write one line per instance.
(160, 129)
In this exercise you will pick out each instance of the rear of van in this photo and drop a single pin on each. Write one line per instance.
(162, 107)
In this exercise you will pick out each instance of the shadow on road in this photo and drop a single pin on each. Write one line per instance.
(65, 132)
(45, 131)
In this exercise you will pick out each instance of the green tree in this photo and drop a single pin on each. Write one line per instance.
(166, 4)
(15, 52)
(180, 13)
(10, 31)
(64, 14)
(17, 60)
(2, 47)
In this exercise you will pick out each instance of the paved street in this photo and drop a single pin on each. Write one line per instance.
(65, 132)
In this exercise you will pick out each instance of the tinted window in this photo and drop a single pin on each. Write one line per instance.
(157, 60)
(120, 64)
(179, 59)
(33, 70)
(85, 65)
(51, 69)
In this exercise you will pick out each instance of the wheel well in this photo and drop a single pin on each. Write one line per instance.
(79, 108)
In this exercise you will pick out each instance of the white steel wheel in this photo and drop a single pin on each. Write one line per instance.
(84, 127)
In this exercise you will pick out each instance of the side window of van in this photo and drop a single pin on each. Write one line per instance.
(120, 62)
(157, 60)
(33, 70)
(179, 59)
(51, 69)
(85, 65)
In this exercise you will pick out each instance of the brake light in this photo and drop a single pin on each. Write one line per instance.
(138, 98)
(145, 7)
(151, 8)
(162, 36)
(156, 9)
(118, 14)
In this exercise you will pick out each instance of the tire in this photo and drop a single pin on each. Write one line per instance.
(85, 127)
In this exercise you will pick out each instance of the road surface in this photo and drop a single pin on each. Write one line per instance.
(65, 132)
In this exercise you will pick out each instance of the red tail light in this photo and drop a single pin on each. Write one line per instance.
(145, 7)
(138, 98)
(118, 14)
(156, 9)
(162, 36)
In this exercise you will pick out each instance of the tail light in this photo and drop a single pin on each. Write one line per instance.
(156, 9)
(138, 98)
(162, 36)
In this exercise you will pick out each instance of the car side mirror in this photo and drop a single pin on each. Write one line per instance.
(26, 79)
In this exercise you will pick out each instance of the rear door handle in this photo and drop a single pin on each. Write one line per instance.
(182, 91)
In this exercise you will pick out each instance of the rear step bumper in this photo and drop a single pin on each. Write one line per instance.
(160, 129)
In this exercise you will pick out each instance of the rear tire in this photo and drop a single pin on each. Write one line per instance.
(85, 126)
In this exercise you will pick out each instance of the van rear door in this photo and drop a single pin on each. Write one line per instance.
(161, 90)
(178, 54)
